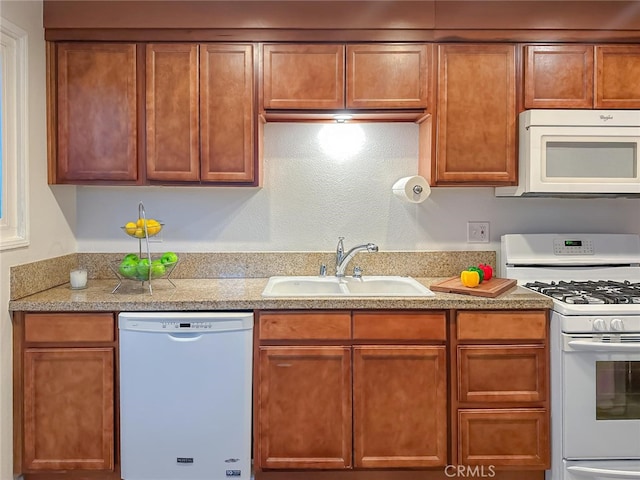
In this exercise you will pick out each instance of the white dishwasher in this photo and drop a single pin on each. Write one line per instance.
(185, 395)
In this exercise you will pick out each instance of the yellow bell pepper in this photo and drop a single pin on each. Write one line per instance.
(470, 278)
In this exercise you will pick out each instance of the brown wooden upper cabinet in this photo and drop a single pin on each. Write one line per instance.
(93, 113)
(351, 76)
(200, 113)
(190, 113)
(475, 127)
(581, 76)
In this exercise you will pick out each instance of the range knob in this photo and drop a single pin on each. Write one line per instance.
(617, 325)
(599, 325)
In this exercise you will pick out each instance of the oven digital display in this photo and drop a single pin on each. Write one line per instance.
(569, 246)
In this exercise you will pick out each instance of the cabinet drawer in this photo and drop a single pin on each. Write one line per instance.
(501, 437)
(69, 327)
(502, 374)
(399, 326)
(305, 326)
(502, 325)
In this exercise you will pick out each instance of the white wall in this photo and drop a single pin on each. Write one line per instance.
(52, 214)
(309, 199)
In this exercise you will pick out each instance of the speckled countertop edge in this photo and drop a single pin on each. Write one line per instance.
(246, 294)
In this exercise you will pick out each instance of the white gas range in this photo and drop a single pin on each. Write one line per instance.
(594, 281)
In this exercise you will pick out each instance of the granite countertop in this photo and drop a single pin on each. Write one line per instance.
(246, 294)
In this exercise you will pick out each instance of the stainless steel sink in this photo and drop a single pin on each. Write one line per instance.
(367, 286)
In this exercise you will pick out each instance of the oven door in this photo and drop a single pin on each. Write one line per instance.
(601, 407)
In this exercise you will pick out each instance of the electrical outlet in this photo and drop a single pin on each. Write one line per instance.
(477, 232)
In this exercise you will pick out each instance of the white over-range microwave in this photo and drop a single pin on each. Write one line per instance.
(577, 153)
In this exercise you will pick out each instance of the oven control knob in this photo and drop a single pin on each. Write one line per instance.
(617, 325)
(599, 325)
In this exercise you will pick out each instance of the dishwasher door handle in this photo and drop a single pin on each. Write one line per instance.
(185, 337)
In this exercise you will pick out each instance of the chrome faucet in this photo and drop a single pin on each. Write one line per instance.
(343, 259)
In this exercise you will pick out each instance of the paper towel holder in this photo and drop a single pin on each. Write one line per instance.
(413, 189)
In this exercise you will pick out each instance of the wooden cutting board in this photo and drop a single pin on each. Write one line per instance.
(491, 288)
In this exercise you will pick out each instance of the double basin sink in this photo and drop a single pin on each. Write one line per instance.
(331, 286)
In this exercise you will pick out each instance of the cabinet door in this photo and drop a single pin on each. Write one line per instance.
(69, 409)
(227, 113)
(476, 115)
(516, 373)
(504, 437)
(618, 70)
(388, 76)
(303, 76)
(400, 406)
(558, 76)
(96, 113)
(173, 152)
(304, 407)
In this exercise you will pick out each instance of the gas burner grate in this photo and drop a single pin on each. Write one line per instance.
(590, 291)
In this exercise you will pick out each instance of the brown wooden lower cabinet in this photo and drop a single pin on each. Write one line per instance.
(503, 437)
(305, 407)
(400, 406)
(501, 389)
(342, 390)
(65, 395)
(69, 408)
(395, 395)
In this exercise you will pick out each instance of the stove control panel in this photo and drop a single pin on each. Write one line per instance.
(606, 325)
(567, 246)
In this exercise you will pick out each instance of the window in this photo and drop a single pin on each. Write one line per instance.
(13, 136)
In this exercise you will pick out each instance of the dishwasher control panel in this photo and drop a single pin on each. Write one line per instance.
(187, 325)
(189, 322)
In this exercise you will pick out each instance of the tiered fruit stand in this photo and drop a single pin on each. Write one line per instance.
(141, 273)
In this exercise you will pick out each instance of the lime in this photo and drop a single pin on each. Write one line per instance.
(128, 269)
(143, 269)
(169, 257)
(157, 269)
(131, 257)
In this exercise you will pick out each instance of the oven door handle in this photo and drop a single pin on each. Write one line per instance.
(585, 346)
(603, 473)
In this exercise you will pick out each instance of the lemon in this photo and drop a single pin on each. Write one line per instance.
(139, 233)
(130, 228)
(153, 226)
(140, 223)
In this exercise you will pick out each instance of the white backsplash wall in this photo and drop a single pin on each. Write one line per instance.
(310, 197)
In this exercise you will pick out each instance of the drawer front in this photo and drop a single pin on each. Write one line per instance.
(293, 325)
(504, 437)
(399, 326)
(502, 374)
(502, 325)
(69, 327)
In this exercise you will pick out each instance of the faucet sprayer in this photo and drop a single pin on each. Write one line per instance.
(343, 259)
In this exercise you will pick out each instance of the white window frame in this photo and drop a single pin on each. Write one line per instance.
(14, 225)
